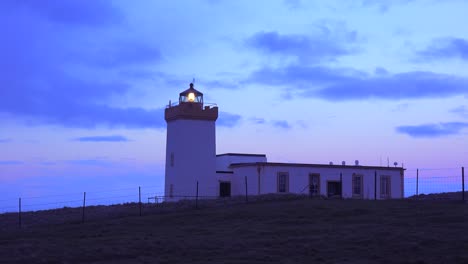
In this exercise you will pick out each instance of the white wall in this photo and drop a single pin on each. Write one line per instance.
(299, 179)
(193, 145)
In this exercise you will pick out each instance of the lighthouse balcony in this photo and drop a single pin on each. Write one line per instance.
(196, 111)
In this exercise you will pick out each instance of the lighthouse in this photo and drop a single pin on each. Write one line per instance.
(190, 147)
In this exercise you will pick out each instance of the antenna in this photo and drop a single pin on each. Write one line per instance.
(193, 80)
(388, 162)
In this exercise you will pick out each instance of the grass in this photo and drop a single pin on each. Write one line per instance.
(290, 230)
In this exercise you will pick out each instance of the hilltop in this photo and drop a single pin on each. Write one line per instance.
(290, 230)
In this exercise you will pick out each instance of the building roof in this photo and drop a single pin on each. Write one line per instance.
(249, 164)
(226, 172)
(241, 154)
(191, 90)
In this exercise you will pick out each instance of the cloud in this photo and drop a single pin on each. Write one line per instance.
(341, 84)
(11, 162)
(258, 121)
(292, 4)
(401, 107)
(122, 53)
(433, 130)
(90, 162)
(5, 140)
(281, 124)
(113, 138)
(64, 75)
(60, 109)
(48, 163)
(70, 12)
(299, 75)
(302, 124)
(409, 85)
(325, 44)
(445, 48)
(227, 119)
(461, 110)
(216, 84)
(383, 5)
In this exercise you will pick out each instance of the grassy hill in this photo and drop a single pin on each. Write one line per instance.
(269, 231)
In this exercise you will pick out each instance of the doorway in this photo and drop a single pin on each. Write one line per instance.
(314, 184)
(334, 189)
(224, 189)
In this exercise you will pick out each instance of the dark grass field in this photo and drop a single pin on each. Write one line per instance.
(269, 231)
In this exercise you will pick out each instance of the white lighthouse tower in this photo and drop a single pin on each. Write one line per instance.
(190, 147)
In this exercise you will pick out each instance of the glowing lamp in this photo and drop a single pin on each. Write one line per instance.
(191, 97)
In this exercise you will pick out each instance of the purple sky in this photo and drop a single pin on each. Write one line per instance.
(84, 85)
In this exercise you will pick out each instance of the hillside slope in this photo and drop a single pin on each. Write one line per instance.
(290, 231)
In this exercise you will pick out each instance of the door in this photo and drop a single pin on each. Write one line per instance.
(314, 184)
(224, 189)
(334, 189)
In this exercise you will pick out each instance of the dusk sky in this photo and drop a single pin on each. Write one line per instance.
(84, 84)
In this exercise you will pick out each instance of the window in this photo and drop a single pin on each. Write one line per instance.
(283, 182)
(385, 187)
(172, 159)
(357, 186)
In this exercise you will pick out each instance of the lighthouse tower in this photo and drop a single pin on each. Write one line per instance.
(190, 147)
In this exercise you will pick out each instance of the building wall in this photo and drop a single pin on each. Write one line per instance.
(299, 179)
(223, 161)
(192, 145)
(238, 181)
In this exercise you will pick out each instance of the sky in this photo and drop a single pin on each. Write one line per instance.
(84, 85)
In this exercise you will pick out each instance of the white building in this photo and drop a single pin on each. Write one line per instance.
(191, 160)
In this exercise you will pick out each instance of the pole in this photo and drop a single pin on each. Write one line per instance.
(463, 183)
(417, 182)
(246, 194)
(84, 206)
(19, 212)
(139, 198)
(196, 198)
(341, 187)
(375, 185)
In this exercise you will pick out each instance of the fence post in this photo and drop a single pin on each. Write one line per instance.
(19, 212)
(463, 183)
(84, 205)
(196, 198)
(417, 182)
(139, 198)
(246, 195)
(341, 183)
(375, 185)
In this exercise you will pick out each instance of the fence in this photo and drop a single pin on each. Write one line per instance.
(84, 206)
(424, 181)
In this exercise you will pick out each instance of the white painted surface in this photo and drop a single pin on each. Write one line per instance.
(193, 144)
(266, 181)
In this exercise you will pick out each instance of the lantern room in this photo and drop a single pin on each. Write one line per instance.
(191, 96)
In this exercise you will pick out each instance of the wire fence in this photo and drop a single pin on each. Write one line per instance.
(425, 181)
(103, 204)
